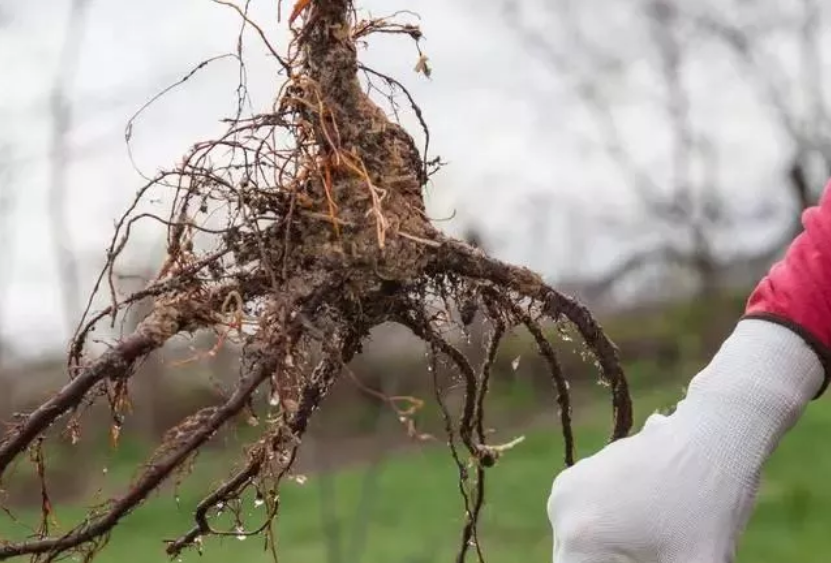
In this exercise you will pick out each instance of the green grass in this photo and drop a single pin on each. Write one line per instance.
(794, 510)
(414, 512)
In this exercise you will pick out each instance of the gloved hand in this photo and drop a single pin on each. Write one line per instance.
(682, 489)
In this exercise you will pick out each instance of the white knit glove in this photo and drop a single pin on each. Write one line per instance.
(682, 490)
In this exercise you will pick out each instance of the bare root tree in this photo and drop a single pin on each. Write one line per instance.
(296, 232)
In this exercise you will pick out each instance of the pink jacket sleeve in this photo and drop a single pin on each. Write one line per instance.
(796, 292)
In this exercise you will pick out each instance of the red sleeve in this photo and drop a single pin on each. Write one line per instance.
(796, 292)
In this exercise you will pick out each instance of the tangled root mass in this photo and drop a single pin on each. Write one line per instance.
(323, 235)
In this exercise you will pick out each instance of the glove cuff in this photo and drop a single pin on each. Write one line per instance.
(819, 348)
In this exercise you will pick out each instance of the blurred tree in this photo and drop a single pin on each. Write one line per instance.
(6, 204)
(60, 109)
(793, 89)
(641, 68)
(6, 239)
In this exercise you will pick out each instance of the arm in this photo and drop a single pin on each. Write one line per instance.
(682, 489)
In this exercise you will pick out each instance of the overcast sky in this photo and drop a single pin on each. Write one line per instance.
(506, 128)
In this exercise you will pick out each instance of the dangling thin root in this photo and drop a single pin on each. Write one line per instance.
(550, 357)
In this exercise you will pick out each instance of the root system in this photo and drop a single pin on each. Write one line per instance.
(296, 232)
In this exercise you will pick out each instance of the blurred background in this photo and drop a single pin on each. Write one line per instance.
(651, 157)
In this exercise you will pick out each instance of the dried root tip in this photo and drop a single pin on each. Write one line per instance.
(488, 455)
